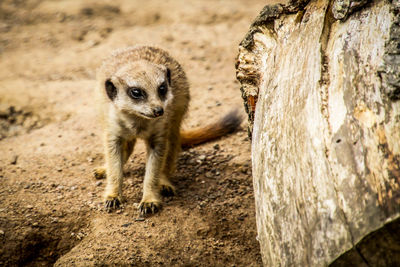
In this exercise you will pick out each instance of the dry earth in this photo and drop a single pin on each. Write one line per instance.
(50, 204)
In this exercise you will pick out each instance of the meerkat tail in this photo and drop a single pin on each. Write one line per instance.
(226, 125)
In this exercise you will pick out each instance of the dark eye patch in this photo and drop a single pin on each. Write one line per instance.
(163, 89)
(111, 90)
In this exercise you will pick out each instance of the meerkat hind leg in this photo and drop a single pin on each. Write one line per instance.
(99, 173)
(167, 188)
(127, 148)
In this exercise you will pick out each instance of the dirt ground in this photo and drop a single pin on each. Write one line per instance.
(50, 203)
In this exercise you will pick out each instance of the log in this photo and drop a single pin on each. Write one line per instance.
(321, 83)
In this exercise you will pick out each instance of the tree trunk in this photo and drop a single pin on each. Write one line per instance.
(321, 83)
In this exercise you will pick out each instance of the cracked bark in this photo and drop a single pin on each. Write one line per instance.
(320, 82)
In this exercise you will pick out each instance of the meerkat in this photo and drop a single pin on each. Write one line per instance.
(143, 93)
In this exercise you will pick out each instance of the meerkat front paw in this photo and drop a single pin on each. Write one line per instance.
(99, 173)
(149, 205)
(112, 203)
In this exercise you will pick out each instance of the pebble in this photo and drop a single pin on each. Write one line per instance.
(14, 159)
(209, 174)
(202, 157)
(60, 187)
(99, 183)
(1, 232)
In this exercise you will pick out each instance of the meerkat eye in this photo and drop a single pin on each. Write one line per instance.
(162, 89)
(136, 93)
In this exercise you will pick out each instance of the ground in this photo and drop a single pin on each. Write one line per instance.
(50, 140)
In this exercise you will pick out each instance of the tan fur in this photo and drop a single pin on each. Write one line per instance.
(125, 119)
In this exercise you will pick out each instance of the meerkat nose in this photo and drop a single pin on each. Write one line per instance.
(158, 111)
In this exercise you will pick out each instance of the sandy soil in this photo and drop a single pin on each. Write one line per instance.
(50, 203)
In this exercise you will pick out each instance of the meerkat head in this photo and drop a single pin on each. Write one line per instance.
(140, 88)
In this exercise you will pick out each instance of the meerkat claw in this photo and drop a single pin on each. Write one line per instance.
(112, 204)
(148, 208)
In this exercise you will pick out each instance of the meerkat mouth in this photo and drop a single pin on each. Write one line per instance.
(149, 116)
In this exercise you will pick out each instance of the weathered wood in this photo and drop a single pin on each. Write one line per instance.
(321, 83)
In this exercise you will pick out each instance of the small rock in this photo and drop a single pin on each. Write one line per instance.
(1, 232)
(14, 159)
(99, 183)
(60, 187)
(216, 146)
(139, 219)
(126, 224)
(59, 169)
(202, 157)
(209, 174)
(73, 187)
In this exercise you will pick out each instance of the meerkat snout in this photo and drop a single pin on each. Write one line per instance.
(158, 111)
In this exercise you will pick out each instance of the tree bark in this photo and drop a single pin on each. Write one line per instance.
(321, 83)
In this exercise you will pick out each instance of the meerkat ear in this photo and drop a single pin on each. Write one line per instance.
(111, 90)
(169, 76)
